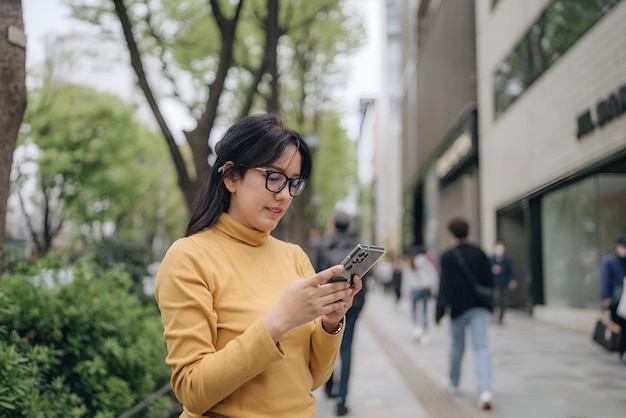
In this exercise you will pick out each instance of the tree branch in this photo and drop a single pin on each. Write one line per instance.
(198, 138)
(184, 180)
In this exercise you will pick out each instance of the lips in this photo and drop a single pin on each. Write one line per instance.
(275, 211)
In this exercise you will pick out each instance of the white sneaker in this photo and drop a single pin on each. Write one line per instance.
(417, 333)
(425, 338)
(484, 400)
(449, 387)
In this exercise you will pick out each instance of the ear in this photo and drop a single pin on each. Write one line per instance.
(229, 178)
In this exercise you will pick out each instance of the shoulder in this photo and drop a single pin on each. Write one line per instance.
(447, 255)
(185, 245)
(341, 239)
(474, 248)
(191, 250)
(610, 258)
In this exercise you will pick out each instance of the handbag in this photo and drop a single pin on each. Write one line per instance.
(484, 293)
(621, 306)
(607, 333)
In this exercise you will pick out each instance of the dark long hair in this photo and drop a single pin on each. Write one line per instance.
(254, 141)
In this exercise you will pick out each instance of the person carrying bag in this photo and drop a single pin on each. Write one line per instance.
(612, 273)
(606, 332)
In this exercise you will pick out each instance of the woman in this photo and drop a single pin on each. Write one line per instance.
(422, 278)
(251, 329)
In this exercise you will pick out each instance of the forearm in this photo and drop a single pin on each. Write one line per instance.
(324, 354)
(201, 380)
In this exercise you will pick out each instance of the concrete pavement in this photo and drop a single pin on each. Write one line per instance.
(539, 370)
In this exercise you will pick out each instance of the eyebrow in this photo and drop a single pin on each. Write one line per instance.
(281, 170)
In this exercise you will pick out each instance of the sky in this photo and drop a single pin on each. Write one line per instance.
(45, 19)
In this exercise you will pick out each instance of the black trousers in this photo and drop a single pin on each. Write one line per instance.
(622, 324)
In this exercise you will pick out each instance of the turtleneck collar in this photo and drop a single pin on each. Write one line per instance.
(228, 225)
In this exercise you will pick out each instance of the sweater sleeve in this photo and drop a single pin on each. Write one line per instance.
(202, 375)
(324, 353)
(324, 346)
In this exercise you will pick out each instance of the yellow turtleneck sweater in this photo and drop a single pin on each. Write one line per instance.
(213, 289)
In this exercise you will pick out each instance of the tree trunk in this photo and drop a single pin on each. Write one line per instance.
(198, 138)
(12, 96)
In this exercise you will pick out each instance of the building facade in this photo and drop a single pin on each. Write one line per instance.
(439, 137)
(513, 118)
(551, 100)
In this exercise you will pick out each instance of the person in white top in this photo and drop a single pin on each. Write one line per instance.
(422, 279)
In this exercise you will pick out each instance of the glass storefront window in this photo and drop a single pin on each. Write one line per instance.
(580, 223)
(570, 250)
(612, 207)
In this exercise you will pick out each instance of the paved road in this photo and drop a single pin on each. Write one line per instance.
(540, 370)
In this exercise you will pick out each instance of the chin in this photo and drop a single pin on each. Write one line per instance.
(267, 226)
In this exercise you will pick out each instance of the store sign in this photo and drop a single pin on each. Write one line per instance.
(454, 155)
(606, 111)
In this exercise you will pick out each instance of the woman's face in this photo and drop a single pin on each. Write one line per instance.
(251, 204)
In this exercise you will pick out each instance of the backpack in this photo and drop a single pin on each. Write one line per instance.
(334, 249)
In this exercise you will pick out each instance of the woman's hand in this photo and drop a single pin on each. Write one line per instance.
(307, 299)
(331, 320)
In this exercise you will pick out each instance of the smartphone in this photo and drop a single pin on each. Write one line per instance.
(360, 260)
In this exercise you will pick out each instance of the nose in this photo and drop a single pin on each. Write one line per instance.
(284, 193)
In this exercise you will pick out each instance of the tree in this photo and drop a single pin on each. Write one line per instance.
(12, 96)
(97, 168)
(335, 171)
(213, 58)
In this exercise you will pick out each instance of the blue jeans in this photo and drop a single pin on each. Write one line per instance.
(345, 353)
(477, 320)
(500, 298)
(417, 295)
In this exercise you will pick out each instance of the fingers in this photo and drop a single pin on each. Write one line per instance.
(357, 283)
(324, 275)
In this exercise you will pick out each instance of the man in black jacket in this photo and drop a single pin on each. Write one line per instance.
(466, 285)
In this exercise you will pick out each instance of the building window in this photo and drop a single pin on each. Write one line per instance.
(561, 24)
(580, 222)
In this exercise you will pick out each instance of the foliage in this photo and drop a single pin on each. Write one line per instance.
(335, 168)
(76, 344)
(15, 254)
(560, 25)
(212, 58)
(97, 168)
(131, 256)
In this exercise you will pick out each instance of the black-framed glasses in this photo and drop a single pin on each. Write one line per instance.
(275, 181)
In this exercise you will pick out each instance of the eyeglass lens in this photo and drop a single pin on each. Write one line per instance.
(275, 182)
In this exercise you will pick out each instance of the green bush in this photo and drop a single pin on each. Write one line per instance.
(76, 343)
(133, 256)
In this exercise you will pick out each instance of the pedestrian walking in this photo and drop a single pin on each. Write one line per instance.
(465, 293)
(333, 250)
(422, 279)
(383, 271)
(503, 277)
(251, 329)
(397, 279)
(612, 273)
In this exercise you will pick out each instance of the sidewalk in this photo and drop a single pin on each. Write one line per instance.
(539, 370)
